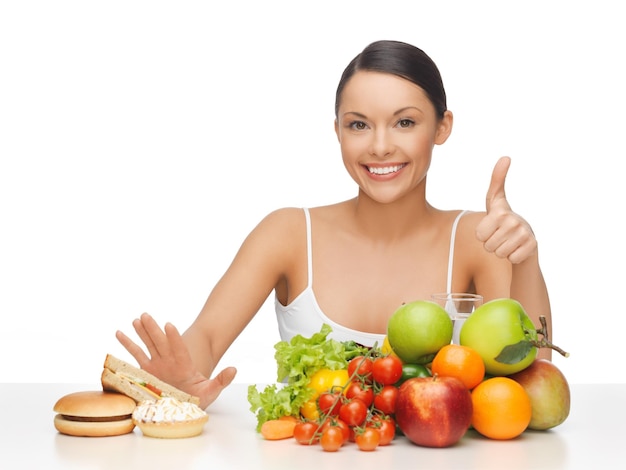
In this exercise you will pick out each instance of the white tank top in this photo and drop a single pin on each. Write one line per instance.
(304, 316)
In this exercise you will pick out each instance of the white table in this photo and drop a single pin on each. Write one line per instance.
(593, 437)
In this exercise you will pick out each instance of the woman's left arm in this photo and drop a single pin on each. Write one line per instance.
(508, 236)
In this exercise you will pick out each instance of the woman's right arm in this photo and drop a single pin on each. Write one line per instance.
(187, 361)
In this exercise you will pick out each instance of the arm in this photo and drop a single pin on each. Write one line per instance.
(188, 361)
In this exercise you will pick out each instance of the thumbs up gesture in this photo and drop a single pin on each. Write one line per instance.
(502, 231)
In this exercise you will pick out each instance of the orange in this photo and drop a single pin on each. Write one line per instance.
(502, 408)
(462, 362)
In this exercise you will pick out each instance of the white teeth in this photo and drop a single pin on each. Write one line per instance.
(385, 170)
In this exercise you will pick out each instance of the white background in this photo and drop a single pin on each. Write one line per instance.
(141, 141)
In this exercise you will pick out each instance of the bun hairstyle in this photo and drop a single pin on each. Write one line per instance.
(400, 59)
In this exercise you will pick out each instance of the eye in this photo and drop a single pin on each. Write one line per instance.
(358, 125)
(405, 123)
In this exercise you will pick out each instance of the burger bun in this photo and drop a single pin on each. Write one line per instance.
(94, 414)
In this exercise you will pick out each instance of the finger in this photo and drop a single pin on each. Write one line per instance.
(496, 186)
(177, 346)
(132, 348)
(217, 384)
(156, 336)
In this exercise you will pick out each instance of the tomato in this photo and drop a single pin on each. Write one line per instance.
(387, 370)
(336, 422)
(353, 412)
(329, 403)
(385, 399)
(305, 432)
(412, 370)
(360, 367)
(368, 439)
(325, 380)
(386, 428)
(360, 390)
(157, 391)
(309, 410)
(332, 439)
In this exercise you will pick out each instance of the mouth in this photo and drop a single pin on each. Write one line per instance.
(385, 170)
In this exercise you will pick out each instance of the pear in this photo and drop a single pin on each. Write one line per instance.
(549, 393)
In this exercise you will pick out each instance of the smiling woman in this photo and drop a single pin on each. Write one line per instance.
(351, 264)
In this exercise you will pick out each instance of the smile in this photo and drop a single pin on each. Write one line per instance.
(385, 170)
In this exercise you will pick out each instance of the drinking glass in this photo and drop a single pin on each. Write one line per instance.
(459, 306)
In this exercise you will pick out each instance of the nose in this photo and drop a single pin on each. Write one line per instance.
(381, 145)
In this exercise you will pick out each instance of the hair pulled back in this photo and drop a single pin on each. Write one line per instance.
(400, 59)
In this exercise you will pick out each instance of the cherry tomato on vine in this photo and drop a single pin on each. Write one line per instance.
(385, 399)
(368, 439)
(353, 412)
(329, 403)
(305, 433)
(362, 365)
(332, 439)
(386, 426)
(360, 390)
(337, 422)
(387, 370)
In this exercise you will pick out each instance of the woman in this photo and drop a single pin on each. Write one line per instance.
(351, 264)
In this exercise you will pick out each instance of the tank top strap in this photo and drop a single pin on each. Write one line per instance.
(309, 249)
(451, 253)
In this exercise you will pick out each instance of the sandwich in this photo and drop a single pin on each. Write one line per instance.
(94, 414)
(122, 377)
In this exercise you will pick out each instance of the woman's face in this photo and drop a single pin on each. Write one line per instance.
(387, 128)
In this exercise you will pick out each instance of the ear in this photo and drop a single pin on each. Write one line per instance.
(444, 128)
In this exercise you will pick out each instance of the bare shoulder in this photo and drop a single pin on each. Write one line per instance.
(284, 220)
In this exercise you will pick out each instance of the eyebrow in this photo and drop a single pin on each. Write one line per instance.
(399, 111)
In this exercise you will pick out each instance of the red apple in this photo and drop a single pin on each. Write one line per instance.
(434, 411)
(548, 391)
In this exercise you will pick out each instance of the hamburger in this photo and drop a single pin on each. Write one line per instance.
(94, 414)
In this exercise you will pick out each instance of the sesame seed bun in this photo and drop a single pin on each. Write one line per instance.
(94, 414)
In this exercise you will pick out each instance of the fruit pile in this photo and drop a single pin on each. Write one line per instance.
(418, 383)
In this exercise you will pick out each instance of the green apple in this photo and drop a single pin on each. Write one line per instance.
(417, 330)
(503, 334)
(549, 393)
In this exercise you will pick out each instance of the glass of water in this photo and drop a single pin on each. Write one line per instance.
(459, 306)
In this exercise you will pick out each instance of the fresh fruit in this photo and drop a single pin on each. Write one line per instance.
(496, 325)
(332, 439)
(549, 393)
(502, 408)
(434, 411)
(367, 439)
(387, 370)
(462, 362)
(417, 330)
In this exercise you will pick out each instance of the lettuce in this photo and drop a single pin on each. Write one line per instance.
(297, 360)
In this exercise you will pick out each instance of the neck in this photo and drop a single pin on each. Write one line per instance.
(392, 220)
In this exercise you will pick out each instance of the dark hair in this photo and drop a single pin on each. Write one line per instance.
(401, 59)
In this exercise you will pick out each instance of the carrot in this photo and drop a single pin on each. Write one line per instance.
(276, 429)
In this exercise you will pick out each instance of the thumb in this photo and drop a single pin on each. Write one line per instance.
(496, 187)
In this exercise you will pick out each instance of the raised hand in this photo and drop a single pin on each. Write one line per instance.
(170, 360)
(502, 231)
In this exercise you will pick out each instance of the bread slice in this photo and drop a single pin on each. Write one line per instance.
(138, 384)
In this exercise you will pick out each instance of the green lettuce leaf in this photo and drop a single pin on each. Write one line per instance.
(297, 360)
